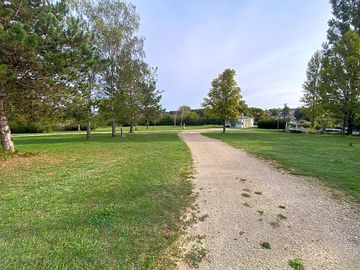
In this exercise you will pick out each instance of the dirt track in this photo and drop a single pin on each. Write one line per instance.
(323, 232)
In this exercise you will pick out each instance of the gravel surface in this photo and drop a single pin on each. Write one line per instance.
(323, 232)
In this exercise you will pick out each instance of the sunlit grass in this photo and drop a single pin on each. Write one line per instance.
(107, 203)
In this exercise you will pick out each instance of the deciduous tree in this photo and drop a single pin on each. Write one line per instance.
(224, 99)
(312, 89)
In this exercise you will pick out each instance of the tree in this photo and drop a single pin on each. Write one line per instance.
(312, 89)
(38, 44)
(275, 112)
(184, 111)
(151, 98)
(346, 17)
(341, 78)
(224, 99)
(257, 113)
(133, 76)
(285, 111)
(115, 24)
(174, 115)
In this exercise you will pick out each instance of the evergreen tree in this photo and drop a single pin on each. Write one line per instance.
(36, 53)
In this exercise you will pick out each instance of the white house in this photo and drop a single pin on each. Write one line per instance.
(241, 122)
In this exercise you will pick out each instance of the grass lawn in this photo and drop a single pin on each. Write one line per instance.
(328, 157)
(107, 203)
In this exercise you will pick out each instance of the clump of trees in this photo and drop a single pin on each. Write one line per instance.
(73, 61)
(332, 88)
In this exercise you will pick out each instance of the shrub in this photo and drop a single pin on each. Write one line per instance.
(272, 123)
(28, 128)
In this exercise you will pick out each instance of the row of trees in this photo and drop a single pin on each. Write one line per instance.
(73, 59)
(332, 88)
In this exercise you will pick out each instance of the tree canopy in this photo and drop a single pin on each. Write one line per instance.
(224, 100)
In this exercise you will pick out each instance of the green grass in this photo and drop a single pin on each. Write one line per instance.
(328, 157)
(107, 203)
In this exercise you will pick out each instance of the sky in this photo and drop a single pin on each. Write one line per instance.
(267, 42)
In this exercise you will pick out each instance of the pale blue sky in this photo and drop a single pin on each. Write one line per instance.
(268, 43)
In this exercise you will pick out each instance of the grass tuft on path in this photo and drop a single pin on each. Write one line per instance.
(327, 157)
(107, 203)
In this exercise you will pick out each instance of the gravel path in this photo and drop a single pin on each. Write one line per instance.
(323, 232)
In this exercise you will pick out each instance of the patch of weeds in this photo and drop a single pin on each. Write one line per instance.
(282, 206)
(203, 217)
(103, 216)
(265, 245)
(243, 180)
(281, 216)
(258, 192)
(246, 204)
(196, 254)
(247, 195)
(261, 212)
(4, 155)
(247, 190)
(241, 232)
(296, 264)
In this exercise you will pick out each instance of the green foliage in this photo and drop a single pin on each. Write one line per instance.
(296, 264)
(346, 17)
(224, 99)
(312, 89)
(152, 109)
(341, 73)
(272, 123)
(285, 111)
(257, 113)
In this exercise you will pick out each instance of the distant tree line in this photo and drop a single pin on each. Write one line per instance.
(73, 64)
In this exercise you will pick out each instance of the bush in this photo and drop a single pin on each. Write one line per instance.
(272, 123)
(28, 128)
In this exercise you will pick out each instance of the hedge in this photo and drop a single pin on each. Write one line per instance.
(272, 123)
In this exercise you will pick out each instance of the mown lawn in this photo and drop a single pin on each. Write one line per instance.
(107, 203)
(328, 157)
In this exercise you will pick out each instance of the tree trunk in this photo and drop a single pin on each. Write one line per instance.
(113, 123)
(79, 127)
(88, 129)
(131, 129)
(175, 116)
(224, 126)
(147, 124)
(350, 124)
(343, 126)
(5, 132)
(182, 119)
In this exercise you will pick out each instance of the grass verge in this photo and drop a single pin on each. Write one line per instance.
(107, 203)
